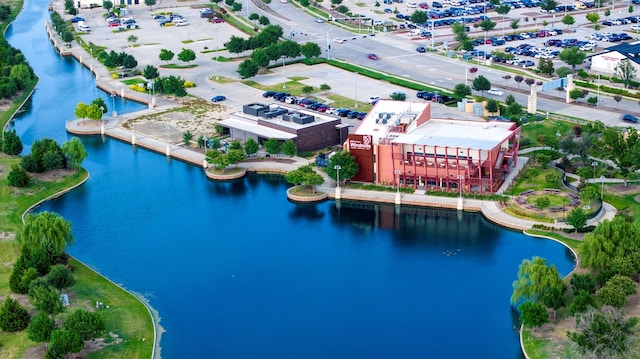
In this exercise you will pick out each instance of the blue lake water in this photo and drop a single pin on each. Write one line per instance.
(235, 270)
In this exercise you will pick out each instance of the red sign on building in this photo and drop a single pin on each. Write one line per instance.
(361, 147)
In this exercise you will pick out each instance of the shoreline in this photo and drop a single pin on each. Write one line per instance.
(488, 209)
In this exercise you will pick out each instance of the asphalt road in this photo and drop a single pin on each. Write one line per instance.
(396, 51)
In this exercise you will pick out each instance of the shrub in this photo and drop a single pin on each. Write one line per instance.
(398, 96)
(542, 202)
(13, 316)
(188, 84)
(307, 89)
(18, 177)
(325, 87)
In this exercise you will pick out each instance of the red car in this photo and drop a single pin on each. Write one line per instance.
(423, 5)
(372, 56)
(216, 20)
(114, 24)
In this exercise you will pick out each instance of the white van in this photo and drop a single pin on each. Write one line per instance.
(83, 27)
(415, 32)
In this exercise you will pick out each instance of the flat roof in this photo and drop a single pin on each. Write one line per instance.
(252, 126)
(452, 133)
(319, 117)
(387, 113)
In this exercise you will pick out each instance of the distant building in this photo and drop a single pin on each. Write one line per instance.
(309, 130)
(606, 61)
(398, 143)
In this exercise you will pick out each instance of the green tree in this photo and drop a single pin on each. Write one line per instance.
(577, 218)
(607, 13)
(81, 110)
(150, 72)
(11, 144)
(419, 17)
(60, 277)
(22, 75)
(515, 24)
(533, 315)
(219, 160)
(576, 94)
(166, 55)
(290, 49)
(593, 18)
(260, 57)
(609, 240)
(100, 103)
(572, 56)
(464, 42)
(582, 302)
(310, 49)
(554, 298)
(187, 137)
(622, 149)
(584, 282)
(603, 334)
(248, 69)
(487, 25)
(45, 230)
(568, 20)
(254, 16)
(236, 156)
(67, 36)
(263, 20)
(65, 341)
(107, 5)
(616, 291)
(18, 176)
(187, 55)
(150, 3)
(235, 145)
(236, 7)
(492, 105)
(132, 39)
(95, 112)
(88, 325)
(13, 316)
(548, 5)
(461, 91)
(545, 66)
(590, 193)
(534, 279)
(251, 146)
(74, 152)
(482, 84)
(348, 166)
(43, 296)
(289, 148)
(305, 176)
(272, 146)
(625, 71)
(40, 328)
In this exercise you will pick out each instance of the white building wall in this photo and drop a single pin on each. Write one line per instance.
(606, 63)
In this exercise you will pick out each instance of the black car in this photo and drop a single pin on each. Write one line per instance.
(280, 95)
(630, 118)
(268, 94)
(426, 95)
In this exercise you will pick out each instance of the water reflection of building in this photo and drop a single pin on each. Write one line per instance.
(425, 226)
(398, 143)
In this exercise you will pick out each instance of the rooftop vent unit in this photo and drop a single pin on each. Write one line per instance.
(299, 118)
(255, 109)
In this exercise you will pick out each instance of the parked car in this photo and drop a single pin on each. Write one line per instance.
(77, 19)
(630, 118)
(218, 98)
(216, 20)
(373, 99)
(268, 94)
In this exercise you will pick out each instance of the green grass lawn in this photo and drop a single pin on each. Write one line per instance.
(531, 131)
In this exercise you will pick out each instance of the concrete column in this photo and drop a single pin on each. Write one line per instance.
(114, 114)
(532, 104)
(168, 151)
(133, 139)
(205, 165)
(338, 193)
(398, 200)
(460, 204)
(122, 92)
(570, 87)
(102, 129)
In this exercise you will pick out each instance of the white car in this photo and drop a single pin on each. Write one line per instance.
(338, 40)
(284, 1)
(181, 22)
(635, 27)
(412, 5)
(495, 92)
(373, 99)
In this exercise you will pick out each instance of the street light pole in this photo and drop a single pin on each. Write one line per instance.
(602, 189)
(356, 84)
(284, 80)
(594, 164)
(460, 177)
(397, 173)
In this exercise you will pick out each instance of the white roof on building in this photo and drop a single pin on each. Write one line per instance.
(465, 134)
(252, 126)
(393, 113)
